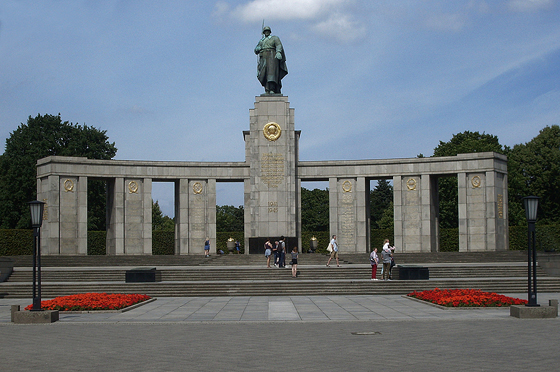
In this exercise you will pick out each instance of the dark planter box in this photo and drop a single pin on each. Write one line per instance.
(411, 272)
(142, 275)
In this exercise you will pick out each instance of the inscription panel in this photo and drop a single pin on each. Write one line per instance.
(347, 215)
(272, 169)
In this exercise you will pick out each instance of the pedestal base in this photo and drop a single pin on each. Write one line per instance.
(33, 317)
(534, 312)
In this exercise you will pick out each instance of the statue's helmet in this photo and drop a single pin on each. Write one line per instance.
(266, 28)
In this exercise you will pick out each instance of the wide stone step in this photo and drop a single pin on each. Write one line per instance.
(293, 287)
(241, 260)
(316, 273)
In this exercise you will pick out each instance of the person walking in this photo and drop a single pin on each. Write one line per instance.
(374, 260)
(207, 247)
(334, 253)
(294, 262)
(267, 252)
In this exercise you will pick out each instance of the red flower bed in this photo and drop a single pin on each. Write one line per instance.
(92, 301)
(466, 298)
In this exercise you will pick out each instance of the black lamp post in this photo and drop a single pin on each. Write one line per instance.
(37, 208)
(531, 203)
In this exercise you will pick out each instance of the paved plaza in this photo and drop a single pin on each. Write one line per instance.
(310, 333)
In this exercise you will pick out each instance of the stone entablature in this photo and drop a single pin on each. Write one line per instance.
(272, 176)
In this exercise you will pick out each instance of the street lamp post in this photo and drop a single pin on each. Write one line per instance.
(531, 203)
(36, 208)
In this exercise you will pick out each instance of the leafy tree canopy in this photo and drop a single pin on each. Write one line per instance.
(229, 218)
(468, 142)
(380, 199)
(160, 221)
(534, 169)
(460, 143)
(314, 210)
(42, 136)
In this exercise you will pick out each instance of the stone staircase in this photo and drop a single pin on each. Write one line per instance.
(246, 275)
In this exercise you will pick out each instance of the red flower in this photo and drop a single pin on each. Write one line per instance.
(92, 301)
(466, 298)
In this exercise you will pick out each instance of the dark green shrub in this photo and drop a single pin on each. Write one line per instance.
(163, 242)
(97, 243)
(378, 236)
(449, 240)
(15, 242)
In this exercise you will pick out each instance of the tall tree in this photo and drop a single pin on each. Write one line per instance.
(460, 143)
(534, 169)
(381, 198)
(229, 218)
(159, 220)
(314, 210)
(42, 136)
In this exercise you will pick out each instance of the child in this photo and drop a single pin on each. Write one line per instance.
(294, 262)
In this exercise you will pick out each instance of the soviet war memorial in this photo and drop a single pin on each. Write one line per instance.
(455, 269)
(272, 174)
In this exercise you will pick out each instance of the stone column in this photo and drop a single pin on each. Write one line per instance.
(48, 191)
(201, 215)
(271, 151)
(347, 213)
(115, 216)
(482, 211)
(415, 215)
(129, 208)
(64, 231)
(182, 217)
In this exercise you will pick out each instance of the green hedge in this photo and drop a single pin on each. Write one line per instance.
(96, 243)
(20, 242)
(163, 242)
(378, 236)
(547, 238)
(449, 240)
(16, 242)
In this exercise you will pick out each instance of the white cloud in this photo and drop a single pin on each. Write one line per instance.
(328, 18)
(286, 9)
(530, 5)
(341, 27)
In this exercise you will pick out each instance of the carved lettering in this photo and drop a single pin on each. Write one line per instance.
(272, 169)
(500, 206)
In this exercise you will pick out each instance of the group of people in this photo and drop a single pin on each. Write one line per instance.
(278, 249)
(386, 259)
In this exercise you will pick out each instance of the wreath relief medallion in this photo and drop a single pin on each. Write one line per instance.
(133, 187)
(197, 188)
(347, 186)
(272, 131)
(68, 185)
(411, 184)
(476, 182)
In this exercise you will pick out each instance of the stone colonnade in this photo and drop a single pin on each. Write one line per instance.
(272, 175)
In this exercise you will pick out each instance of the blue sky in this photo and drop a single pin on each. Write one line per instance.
(174, 80)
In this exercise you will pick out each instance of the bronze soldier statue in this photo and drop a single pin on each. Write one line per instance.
(272, 62)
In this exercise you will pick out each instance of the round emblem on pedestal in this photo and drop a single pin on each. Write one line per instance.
(68, 185)
(411, 184)
(197, 188)
(346, 186)
(132, 187)
(476, 182)
(272, 131)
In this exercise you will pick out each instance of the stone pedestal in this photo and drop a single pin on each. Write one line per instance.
(272, 190)
(535, 312)
(33, 317)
